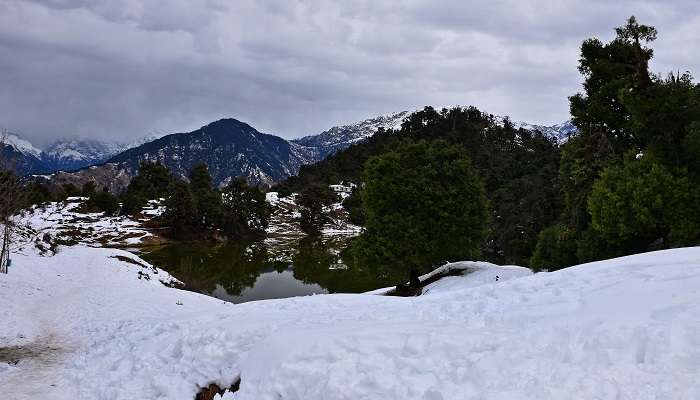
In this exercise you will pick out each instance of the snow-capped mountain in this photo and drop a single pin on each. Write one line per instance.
(560, 132)
(20, 155)
(70, 155)
(229, 147)
(341, 137)
(20, 145)
(62, 155)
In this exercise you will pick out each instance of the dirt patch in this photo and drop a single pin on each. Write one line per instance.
(35, 350)
(213, 389)
(131, 261)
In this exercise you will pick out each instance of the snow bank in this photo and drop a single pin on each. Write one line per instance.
(627, 328)
(475, 273)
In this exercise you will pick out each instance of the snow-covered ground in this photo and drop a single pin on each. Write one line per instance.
(284, 221)
(82, 325)
(65, 223)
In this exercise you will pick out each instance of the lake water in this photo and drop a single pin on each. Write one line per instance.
(246, 271)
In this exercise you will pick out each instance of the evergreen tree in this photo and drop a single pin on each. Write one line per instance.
(152, 182)
(69, 190)
(37, 194)
(207, 199)
(640, 203)
(425, 205)
(353, 205)
(518, 167)
(89, 189)
(245, 210)
(104, 201)
(613, 71)
(311, 202)
(555, 249)
(181, 214)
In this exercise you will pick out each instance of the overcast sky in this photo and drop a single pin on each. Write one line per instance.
(122, 69)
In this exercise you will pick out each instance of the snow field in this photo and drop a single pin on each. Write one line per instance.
(627, 328)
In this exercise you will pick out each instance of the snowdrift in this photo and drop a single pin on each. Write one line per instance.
(82, 324)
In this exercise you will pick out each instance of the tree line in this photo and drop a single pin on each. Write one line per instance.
(194, 208)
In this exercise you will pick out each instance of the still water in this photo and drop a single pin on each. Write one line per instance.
(246, 271)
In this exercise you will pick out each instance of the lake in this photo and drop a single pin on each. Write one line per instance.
(255, 270)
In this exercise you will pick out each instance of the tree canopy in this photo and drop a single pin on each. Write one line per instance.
(425, 205)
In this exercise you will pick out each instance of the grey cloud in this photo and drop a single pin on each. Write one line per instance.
(111, 69)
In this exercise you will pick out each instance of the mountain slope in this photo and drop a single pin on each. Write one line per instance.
(560, 132)
(341, 137)
(70, 155)
(229, 147)
(20, 156)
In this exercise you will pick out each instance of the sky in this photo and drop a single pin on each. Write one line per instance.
(122, 69)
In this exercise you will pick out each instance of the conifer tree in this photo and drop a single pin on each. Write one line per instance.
(245, 211)
(425, 205)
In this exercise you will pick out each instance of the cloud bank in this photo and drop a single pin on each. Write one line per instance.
(121, 69)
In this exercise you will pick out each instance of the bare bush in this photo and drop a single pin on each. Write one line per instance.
(12, 200)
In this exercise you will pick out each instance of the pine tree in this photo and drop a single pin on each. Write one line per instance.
(181, 214)
(152, 182)
(311, 201)
(245, 211)
(425, 205)
(206, 198)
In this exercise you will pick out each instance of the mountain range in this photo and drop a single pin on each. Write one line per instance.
(229, 147)
(61, 155)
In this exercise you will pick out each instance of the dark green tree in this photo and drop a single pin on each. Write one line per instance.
(152, 182)
(207, 198)
(245, 210)
(311, 202)
(555, 249)
(641, 203)
(425, 205)
(69, 190)
(181, 214)
(661, 117)
(353, 205)
(38, 193)
(612, 71)
(104, 201)
(89, 188)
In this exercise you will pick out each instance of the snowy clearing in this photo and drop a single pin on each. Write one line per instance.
(65, 223)
(82, 325)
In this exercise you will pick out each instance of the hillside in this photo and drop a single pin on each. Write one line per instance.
(229, 147)
(519, 169)
(341, 137)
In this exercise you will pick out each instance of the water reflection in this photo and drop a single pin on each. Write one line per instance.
(245, 271)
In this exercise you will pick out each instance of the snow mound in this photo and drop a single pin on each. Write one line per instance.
(474, 273)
